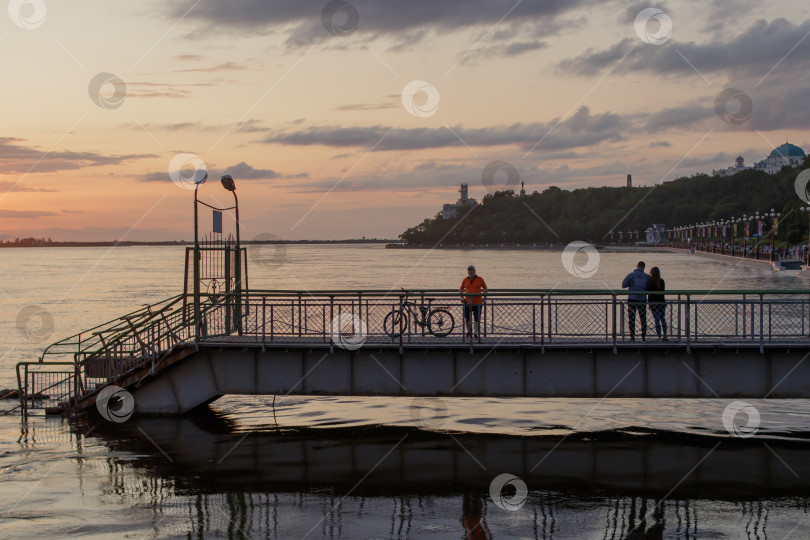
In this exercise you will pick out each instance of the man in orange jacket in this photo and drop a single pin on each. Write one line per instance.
(472, 304)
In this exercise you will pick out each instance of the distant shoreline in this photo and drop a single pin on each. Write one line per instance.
(40, 244)
(559, 247)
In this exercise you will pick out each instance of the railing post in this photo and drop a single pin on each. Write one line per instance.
(687, 321)
(75, 401)
(534, 323)
(613, 317)
(761, 318)
(299, 314)
(744, 316)
(680, 326)
(331, 314)
(264, 320)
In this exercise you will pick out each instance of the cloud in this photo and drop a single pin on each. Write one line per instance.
(580, 129)
(152, 89)
(225, 66)
(246, 126)
(243, 171)
(240, 171)
(404, 22)
(754, 52)
(8, 186)
(188, 57)
(681, 117)
(515, 48)
(16, 158)
(25, 214)
(366, 107)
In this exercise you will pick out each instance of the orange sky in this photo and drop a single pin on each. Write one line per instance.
(303, 104)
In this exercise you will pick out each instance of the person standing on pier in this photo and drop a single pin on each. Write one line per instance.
(637, 281)
(657, 302)
(472, 304)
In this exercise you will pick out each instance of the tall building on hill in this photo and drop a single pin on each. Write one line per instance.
(786, 154)
(450, 211)
(629, 180)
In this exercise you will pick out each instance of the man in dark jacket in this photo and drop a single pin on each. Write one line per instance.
(637, 281)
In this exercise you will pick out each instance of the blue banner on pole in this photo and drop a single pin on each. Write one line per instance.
(217, 221)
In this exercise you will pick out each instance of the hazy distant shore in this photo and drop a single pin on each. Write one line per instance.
(557, 247)
(182, 243)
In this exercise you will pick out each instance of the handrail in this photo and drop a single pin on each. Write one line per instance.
(66, 341)
(503, 292)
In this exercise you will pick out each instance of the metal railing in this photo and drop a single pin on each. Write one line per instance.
(543, 317)
(540, 318)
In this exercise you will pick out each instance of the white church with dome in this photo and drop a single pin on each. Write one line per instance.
(784, 155)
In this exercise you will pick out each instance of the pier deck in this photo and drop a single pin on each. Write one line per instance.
(536, 343)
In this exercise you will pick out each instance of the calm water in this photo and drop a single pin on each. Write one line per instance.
(327, 467)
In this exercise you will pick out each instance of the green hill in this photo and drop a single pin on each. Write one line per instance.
(590, 214)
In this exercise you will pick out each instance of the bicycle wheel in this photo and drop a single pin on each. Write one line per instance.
(395, 323)
(441, 322)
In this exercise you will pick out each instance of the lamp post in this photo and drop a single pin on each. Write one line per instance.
(745, 225)
(722, 236)
(230, 185)
(200, 177)
(758, 245)
(773, 215)
(731, 223)
(807, 255)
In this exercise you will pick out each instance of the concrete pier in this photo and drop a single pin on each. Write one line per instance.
(662, 372)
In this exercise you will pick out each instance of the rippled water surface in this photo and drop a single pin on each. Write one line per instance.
(330, 467)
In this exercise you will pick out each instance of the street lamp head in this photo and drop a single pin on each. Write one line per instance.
(228, 183)
(200, 176)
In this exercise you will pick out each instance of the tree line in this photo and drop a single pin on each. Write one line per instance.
(557, 216)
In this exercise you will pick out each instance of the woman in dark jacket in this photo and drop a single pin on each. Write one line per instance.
(657, 302)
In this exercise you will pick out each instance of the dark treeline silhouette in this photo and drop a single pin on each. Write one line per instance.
(589, 214)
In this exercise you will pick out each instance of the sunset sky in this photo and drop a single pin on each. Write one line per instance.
(302, 102)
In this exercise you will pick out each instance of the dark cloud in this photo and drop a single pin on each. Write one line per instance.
(628, 16)
(678, 117)
(17, 158)
(516, 48)
(405, 22)
(581, 129)
(243, 171)
(753, 52)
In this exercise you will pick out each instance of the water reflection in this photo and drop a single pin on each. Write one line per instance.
(207, 477)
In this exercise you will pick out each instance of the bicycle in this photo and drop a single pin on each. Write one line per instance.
(439, 322)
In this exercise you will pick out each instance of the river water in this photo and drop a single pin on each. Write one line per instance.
(329, 467)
